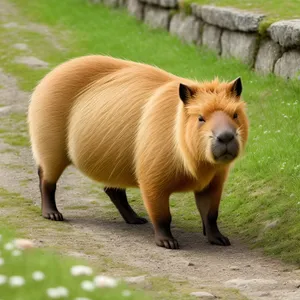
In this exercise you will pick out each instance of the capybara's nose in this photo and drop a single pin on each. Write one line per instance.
(225, 137)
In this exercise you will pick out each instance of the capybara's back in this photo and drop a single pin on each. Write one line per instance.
(128, 124)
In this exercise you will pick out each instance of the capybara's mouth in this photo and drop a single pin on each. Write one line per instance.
(227, 157)
(224, 153)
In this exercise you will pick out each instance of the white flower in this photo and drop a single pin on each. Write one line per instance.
(58, 292)
(87, 285)
(9, 246)
(23, 244)
(105, 281)
(278, 130)
(1, 261)
(16, 252)
(81, 270)
(283, 165)
(38, 276)
(3, 279)
(126, 293)
(16, 281)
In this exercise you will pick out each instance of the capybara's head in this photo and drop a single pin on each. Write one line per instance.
(216, 128)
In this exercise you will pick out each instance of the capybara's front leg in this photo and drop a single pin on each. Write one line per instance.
(157, 205)
(208, 202)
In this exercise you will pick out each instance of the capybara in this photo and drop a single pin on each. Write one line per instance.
(129, 124)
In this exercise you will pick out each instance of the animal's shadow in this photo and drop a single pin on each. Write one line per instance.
(189, 241)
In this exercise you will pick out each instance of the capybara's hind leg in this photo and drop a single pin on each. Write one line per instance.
(47, 189)
(119, 199)
(157, 205)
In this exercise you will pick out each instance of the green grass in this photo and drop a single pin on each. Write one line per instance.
(57, 271)
(13, 130)
(273, 9)
(264, 185)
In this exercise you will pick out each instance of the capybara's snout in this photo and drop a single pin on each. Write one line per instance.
(225, 146)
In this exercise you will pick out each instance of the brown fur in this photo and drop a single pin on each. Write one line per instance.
(123, 124)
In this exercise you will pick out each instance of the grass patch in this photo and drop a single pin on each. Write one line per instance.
(57, 273)
(9, 150)
(13, 130)
(16, 200)
(13, 166)
(15, 140)
(264, 185)
(25, 182)
(68, 188)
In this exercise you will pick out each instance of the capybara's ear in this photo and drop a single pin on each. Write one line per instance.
(235, 87)
(186, 92)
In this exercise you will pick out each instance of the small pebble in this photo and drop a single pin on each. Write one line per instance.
(20, 46)
(264, 294)
(23, 244)
(10, 25)
(135, 279)
(203, 295)
(31, 61)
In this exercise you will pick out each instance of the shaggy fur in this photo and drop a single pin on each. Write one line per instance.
(123, 124)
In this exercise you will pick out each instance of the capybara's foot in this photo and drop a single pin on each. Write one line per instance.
(53, 215)
(136, 220)
(218, 239)
(166, 242)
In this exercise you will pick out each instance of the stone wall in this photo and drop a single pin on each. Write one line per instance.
(227, 31)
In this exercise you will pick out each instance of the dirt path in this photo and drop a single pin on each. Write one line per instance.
(94, 229)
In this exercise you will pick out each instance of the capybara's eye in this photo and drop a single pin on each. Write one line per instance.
(201, 119)
(235, 115)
